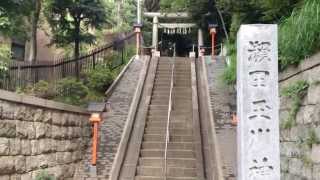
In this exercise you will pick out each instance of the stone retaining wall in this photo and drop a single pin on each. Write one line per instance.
(300, 152)
(39, 135)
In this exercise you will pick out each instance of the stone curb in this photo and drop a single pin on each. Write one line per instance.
(117, 80)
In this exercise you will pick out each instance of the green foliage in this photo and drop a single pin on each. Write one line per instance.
(312, 138)
(41, 89)
(229, 75)
(100, 78)
(299, 35)
(296, 92)
(71, 20)
(43, 175)
(71, 91)
(5, 56)
(177, 5)
(121, 19)
(44, 90)
(152, 5)
(12, 17)
(307, 161)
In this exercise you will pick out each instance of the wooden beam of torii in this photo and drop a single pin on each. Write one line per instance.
(176, 25)
(182, 15)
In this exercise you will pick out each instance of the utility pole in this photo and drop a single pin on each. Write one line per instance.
(137, 27)
(139, 11)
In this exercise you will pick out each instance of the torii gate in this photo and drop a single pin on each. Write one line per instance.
(172, 28)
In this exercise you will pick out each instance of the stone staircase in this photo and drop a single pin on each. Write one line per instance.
(181, 161)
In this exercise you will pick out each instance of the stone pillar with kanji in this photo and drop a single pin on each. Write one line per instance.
(258, 103)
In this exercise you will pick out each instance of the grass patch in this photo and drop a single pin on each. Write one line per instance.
(296, 92)
(299, 35)
(312, 138)
(44, 175)
(229, 75)
(307, 161)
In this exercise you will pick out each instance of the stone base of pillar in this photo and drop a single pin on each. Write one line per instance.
(93, 171)
(156, 53)
(192, 54)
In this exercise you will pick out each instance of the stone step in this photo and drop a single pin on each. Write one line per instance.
(176, 98)
(171, 145)
(177, 76)
(175, 93)
(173, 117)
(167, 84)
(173, 113)
(171, 171)
(159, 153)
(173, 131)
(175, 110)
(176, 82)
(173, 124)
(175, 88)
(161, 178)
(179, 68)
(161, 138)
(171, 162)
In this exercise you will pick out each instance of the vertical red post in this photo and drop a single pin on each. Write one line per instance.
(95, 119)
(213, 36)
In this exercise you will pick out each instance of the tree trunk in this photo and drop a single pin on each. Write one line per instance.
(34, 30)
(223, 24)
(77, 48)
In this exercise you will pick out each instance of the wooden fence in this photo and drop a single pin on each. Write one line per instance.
(21, 74)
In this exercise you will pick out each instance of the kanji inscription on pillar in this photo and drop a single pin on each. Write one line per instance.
(258, 103)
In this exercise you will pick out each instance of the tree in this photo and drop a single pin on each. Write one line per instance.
(71, 21)
(12, 18)
(121, 14)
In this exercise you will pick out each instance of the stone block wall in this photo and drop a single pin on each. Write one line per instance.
(300, 149)
(39, 135)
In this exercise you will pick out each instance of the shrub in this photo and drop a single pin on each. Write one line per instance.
(41, 89)
(71, 91)
(44, 176)
(44, 90)
(100, 78)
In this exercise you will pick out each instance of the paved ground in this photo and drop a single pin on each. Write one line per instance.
(223, 103)
(113, 124)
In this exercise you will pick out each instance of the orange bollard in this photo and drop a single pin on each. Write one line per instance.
(137, 30)
(213, 32)
(234, 119)
(95, 119)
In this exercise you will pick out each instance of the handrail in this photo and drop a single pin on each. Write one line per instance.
(169, 118)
